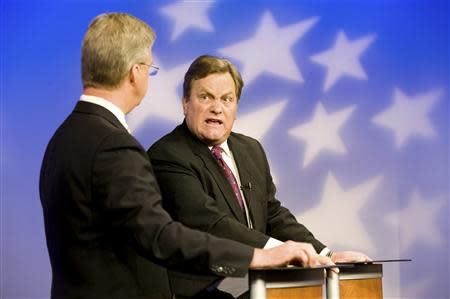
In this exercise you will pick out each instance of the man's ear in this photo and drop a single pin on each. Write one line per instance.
(133, 73)
(185, 103)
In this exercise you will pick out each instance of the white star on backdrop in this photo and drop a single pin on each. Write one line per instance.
(162, 100)
(322, 132)
(256, 124)
(269, 49)
(343, 58)
(187, 14)
(251, 124)
(409, 116)
(416, 221)
(341, 209)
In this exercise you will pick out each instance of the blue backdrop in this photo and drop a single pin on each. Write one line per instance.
(349, 98)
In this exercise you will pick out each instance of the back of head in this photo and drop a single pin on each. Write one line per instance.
(206, 65)
(111, 45)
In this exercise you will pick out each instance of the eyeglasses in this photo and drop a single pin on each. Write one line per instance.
(153, 69)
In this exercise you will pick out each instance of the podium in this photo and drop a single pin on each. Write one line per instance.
(359, 280)
(286, 283)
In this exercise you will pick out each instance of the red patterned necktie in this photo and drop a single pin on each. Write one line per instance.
(217, 153)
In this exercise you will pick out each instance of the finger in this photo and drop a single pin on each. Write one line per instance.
(363, 258)
(325, 261)
(303, 258)
(312, 260)
(312, 255)
(335, 270)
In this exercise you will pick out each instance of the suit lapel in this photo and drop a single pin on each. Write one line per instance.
(202, 151)
(244, 161)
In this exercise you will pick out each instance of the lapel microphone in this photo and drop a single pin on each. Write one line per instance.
(247, 186)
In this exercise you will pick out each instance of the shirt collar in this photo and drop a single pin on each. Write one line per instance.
(107, 105)
(225, 148)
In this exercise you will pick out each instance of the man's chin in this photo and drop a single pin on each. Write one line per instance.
(211, 141)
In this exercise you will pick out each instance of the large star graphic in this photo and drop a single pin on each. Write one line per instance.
(409, 116)
(343, 58)
(416, 221)
(322, 132)
(163, 99)
(250, 124)
(269, 50)
(187, 14)
(341, 209)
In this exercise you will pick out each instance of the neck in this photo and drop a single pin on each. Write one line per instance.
(116, 96)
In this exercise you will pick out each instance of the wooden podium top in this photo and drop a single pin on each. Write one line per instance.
(353, 281)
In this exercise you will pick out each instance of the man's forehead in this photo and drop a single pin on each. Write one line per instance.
(213, 90)
(215, 82)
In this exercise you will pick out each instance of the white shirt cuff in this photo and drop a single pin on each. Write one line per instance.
(272, 243)
(324, 251)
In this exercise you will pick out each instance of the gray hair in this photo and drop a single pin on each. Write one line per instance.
(112, 44)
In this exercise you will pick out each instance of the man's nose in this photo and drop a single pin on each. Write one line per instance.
(216, 107)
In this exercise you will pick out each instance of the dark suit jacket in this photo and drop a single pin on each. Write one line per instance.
(103, 214)
(197, 193)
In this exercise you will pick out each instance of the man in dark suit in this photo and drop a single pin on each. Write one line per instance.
(219, 181)
(102, 205)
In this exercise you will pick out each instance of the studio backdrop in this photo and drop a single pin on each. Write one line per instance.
(350, 99)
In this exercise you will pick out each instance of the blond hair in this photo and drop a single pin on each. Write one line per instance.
(112, 44)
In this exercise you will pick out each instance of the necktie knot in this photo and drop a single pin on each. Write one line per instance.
(217, 152)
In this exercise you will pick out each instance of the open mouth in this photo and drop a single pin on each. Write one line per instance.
(213, 121)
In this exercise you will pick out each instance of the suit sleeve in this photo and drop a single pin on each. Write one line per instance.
(130, 200)
(183, 184)
(281, 224)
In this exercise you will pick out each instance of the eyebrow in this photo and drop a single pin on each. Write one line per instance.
(228, 93)
(204, 90)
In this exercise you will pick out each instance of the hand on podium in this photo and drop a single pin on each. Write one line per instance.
(296, 253)
(349, 257)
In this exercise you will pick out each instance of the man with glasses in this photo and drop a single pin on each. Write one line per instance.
(153, 69)
(102, 206)
(219, 181)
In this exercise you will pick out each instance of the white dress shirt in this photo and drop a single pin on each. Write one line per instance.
(228, 158)
(107, 105)
(232, 285)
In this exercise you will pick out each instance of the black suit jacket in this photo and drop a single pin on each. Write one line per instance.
(103, 214)
(197, 193)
